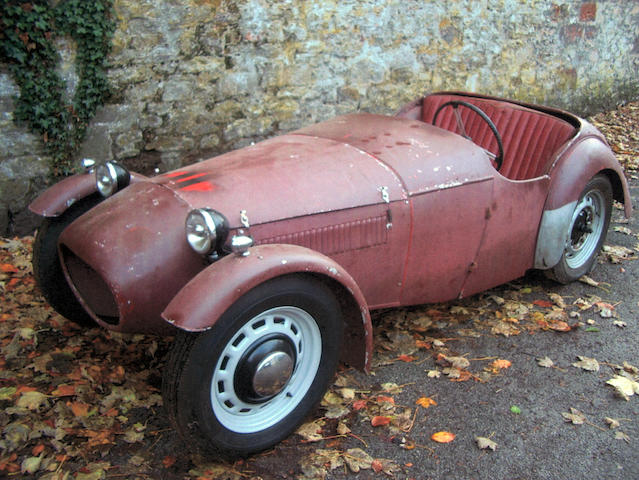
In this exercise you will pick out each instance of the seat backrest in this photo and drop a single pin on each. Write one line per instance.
(530, 137)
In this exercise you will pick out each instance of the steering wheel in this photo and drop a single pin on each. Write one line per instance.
(497, 158)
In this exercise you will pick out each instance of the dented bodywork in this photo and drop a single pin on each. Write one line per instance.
(388, 211)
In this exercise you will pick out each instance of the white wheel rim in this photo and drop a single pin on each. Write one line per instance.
(298, 327)
(589, 214)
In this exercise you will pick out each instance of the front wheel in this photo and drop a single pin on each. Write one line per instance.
(249, 381)
(587, 231)
(47, 269)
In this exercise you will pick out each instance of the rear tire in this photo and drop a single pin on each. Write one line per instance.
(587, 231)
(47, 269)
(249, 381)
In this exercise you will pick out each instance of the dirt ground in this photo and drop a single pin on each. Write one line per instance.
(531, 380)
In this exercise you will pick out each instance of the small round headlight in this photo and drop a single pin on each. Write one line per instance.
(111, 177)
(205, 230)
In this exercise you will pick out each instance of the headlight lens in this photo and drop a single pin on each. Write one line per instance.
(111, 177)
(205, 230)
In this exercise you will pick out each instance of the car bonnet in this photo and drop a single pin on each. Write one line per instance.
(286, 177)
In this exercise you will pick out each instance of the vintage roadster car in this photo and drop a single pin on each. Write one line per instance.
(266, 261)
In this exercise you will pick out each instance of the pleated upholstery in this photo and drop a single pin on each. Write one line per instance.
(530, 138)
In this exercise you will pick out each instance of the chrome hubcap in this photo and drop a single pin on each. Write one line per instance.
(272, 374)
(586, 229)
(265, 368)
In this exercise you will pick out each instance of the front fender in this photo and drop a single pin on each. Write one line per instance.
(209, 294)
(582, 161)
(55, 200)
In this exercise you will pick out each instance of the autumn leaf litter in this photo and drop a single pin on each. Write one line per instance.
(85, 403)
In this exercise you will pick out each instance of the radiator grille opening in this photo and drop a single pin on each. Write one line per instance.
(95, 292)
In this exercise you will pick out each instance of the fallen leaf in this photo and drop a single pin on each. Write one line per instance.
(501, 364)
(461, 376)
(617, 253)
(342, 429)
(311, 431)
(612, 422)
(456, 362)
(426, 402)
(587, 363)
(32, 400)
(619, 323)
(575, 416)
(8, 268)
(169, 461)
(505, 329)
(407, 358)
(542, 303)
(434, 373)
(557, 300)
(391, 388)
(443, 437)
(630, 368)
(624, 386)
(619, 435)
(79, 409)
(31, 464)
(357, 459)
(485, 443)
(359, 404)
(606, 310)
(498, 300)
(559, 326)
(380, 420)
(64, 390)
(347, 393)
(515, 409)
(97, 474)
(588, 281)
(385, 399)
(545, 362)
(624, 230)
(38, 449)
(6, 393)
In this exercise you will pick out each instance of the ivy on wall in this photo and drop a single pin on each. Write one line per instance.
(27, 31)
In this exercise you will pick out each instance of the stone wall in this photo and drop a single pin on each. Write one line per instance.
(199, 77)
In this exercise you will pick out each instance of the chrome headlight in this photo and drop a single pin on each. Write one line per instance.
(111, 177)
(206, 230)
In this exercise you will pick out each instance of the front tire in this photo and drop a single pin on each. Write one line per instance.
(587, 231)
(47, 269)
(248, 382)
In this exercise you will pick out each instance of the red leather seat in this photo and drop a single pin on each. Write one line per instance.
(530, 138)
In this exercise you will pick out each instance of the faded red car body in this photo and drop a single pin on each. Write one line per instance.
(389, 211)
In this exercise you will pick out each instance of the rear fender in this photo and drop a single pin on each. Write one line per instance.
(572, 172)
(202, 301)
(55, 200)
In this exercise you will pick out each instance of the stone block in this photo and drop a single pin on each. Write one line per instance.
(209, 142)
(128, 144)
(237, 84)
(118, 118)
(97, 144)
(247, 128)
(177, 90)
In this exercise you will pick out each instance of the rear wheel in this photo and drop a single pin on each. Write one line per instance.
(47, 269)
(249, 381)
(587, 231)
